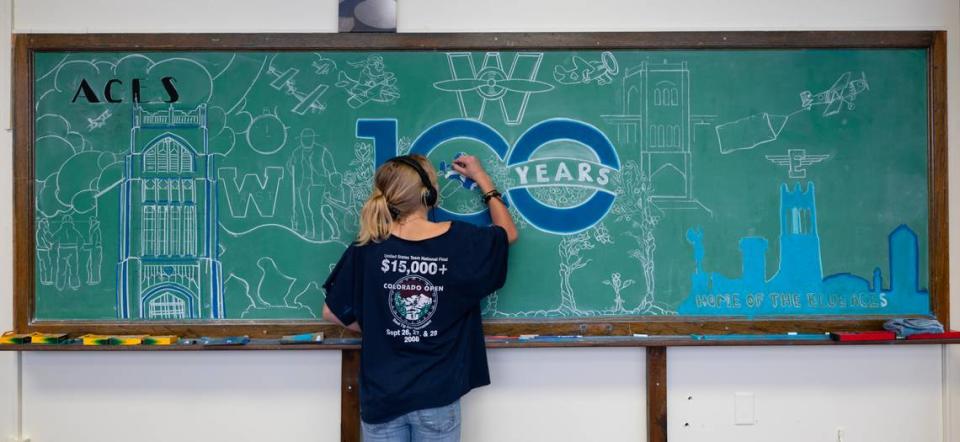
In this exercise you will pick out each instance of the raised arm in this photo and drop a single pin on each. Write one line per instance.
(470, 167)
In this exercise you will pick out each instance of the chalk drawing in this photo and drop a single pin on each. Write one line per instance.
(510, 89)
(796, 162)
(600, 71)
(373, 83)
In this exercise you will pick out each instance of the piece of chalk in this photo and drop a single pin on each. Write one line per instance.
(640, 335)
(528, 336)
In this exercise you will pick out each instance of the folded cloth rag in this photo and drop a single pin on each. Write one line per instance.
(904, 327)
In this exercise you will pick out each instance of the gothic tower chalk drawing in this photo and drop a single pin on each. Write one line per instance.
(169, 267)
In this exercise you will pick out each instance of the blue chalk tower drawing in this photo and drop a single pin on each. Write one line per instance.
(169, 267)
(799, 286)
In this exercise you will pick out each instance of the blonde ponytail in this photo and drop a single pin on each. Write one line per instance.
(397, 192)
(375, 218)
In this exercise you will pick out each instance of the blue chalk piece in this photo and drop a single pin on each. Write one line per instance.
(304, 338)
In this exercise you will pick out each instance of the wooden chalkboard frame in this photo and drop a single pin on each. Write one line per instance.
(26, 45)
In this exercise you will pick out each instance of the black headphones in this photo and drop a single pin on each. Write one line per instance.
(430, 199)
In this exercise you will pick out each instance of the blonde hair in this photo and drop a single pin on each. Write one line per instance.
(396, 186)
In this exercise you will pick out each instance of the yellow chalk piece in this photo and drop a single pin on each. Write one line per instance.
(127, 339)
(47, 338)
(160, 340)
(96, 340)
(14, 338)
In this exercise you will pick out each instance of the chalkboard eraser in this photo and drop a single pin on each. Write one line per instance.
(159, 340)
(225, 340)
(15, 338)
(48, 338)
(863, 336)
(90, 339)
(945, 335)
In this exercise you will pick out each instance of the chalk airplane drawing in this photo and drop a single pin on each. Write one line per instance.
(285, 81)
(843, 91)
(761, 128)
(98, 121)
(372, 83)
(511, 89)
(585, 72)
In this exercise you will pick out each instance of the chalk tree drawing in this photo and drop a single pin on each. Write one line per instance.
(749, 132)
(510, 89)
(373, 83)
(635, 206)
(600, 71)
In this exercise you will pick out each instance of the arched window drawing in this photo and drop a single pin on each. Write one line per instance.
(167, 305)
(169, 217)
(674, 97)
(676, 135)
(657, 100)
(168, 156)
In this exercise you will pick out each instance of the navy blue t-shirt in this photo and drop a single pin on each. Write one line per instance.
(418, 305)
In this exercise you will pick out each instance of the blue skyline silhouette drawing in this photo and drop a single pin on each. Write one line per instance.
(798, 286)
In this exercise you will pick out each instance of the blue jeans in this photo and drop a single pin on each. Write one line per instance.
(441, 424)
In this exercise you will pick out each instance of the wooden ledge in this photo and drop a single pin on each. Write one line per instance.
(598, 341)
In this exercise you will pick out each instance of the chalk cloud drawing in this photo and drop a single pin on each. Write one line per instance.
(69, 246)
(510, 89)
(796, 162)
(373, 83)
(749, 132)
(600, 71)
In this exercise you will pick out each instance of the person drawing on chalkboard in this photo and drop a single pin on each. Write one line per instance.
(414, 287)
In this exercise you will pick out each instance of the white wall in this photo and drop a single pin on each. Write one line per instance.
(801, 394)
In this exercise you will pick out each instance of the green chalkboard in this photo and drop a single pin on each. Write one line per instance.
(224, 185)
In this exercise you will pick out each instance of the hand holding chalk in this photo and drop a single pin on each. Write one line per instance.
(470, 167)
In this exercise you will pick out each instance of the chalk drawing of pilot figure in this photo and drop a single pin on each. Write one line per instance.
(302, 169)
(94, 248)
(68, 240)
(44, 248)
